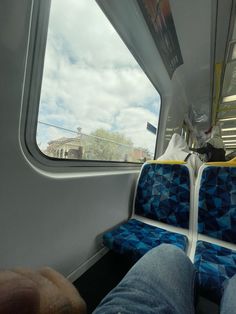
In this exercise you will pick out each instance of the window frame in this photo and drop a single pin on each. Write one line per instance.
(37, 40)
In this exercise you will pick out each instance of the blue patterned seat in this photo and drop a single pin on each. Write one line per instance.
(136, 238)
(162, 194)
(217, 203)
(216, 219)
(215, 264)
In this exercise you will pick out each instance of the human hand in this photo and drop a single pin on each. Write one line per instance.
(44, 291)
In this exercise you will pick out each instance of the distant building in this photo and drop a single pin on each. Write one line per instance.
(87, 147)
(68, 148)
(140, 154)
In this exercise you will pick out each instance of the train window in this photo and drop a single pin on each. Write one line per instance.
(96, 103)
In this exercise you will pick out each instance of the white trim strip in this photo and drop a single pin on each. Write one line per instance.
(227, 245)
(86, 265)
(161, 225)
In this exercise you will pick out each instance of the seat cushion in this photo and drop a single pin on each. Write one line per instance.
(215, 264)
(163, 194)
(136, 238)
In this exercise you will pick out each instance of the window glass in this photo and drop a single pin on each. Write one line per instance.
(96, 102)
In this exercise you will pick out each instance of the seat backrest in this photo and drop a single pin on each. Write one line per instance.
(217, 202)
(163, 193)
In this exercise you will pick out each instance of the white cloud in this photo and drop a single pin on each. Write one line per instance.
(90, 78)
(133, 123)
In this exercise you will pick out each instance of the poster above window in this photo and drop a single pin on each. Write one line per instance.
(158, 16)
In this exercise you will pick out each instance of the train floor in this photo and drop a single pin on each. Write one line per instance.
(95, 283)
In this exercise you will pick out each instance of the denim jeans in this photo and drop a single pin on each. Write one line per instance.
(161, 282)
(228, 301)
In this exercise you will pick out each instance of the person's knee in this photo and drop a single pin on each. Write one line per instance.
(170, 249)
(228, 303)
(166, 251)
(164, 276)
(163, 257)
(166, 257)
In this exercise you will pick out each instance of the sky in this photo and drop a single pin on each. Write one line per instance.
(91, 80)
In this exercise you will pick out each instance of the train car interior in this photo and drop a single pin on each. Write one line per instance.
(92, 92)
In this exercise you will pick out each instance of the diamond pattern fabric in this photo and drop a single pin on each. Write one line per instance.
(163, 194)
(217, 203)
(136, 238)
(215, 265)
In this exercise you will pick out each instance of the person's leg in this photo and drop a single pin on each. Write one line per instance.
(162, 281)
(228, 302)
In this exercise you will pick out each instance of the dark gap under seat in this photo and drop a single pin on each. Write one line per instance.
(102, 277)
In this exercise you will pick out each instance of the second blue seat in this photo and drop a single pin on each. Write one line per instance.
(215, 257)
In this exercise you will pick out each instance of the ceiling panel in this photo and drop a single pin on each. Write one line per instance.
(228, 124)
(196, 41)
(227, 114)
(229, 85)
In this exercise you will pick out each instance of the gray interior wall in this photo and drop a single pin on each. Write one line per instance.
(46, 219)
(57, 219)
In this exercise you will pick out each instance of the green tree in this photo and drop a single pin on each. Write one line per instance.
(106, 145)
